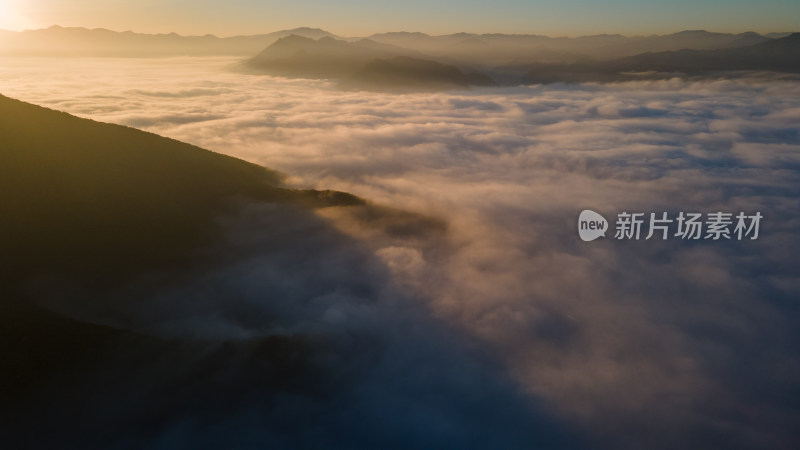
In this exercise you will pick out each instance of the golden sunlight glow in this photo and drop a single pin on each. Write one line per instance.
(10, 18)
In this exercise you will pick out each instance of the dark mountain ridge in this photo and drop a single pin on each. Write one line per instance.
(777, 55)
(502, 48)
(322, 58)
(405, 74)
(780, 54)
(145, 282)
(111, 194)
(96, 218)
(363, 64)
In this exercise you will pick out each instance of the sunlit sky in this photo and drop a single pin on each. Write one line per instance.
(362, 17)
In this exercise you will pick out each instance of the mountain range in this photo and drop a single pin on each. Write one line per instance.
(775, 55)
(497, 48)
(361, 64)
(81, 42)
(367, 64)
(458, 47)
(405, 61)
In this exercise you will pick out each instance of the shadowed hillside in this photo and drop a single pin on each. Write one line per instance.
(411, 74)
(115, 197)
(89, 208)
(158, 295)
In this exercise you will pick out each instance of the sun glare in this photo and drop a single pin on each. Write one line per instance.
(10, 19)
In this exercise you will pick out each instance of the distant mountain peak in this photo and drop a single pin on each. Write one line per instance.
(687, 32)
(790, 42)
(293, 38)
(403, 33)
(307, 29)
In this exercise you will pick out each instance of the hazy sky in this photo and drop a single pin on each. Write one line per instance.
(361, 17)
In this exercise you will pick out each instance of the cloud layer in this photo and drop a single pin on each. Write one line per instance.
(637, 344)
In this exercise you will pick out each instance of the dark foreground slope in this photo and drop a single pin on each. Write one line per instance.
(155, 295)
(86, 197)
(87, 208)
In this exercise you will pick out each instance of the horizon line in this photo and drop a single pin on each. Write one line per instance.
(399, 31)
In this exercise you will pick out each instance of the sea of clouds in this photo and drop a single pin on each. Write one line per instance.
(636, 344)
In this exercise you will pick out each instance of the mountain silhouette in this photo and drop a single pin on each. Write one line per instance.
(115, 239)
(779, 55)
(403, 73)
(362, 64)
(499, 48)
(74, 41)
(87, 207)
(322, 58)
(775, 55)
(458, 48)
(110, 193)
